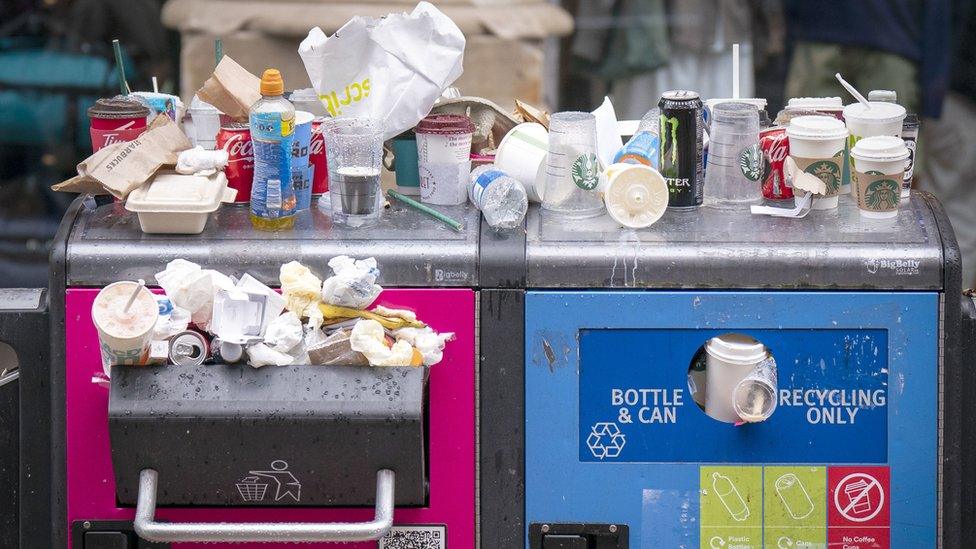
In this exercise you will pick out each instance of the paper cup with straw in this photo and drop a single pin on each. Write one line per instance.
(124, 314)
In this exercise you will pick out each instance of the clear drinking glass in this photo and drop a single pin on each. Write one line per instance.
(572, 168)
(354, 149)
(734, 171)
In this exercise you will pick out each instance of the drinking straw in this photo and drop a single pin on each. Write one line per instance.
(218, 50)
(853, 91)
(735, 71)
(449, 221)
(155, 85)
(123, 84)
(132, 298)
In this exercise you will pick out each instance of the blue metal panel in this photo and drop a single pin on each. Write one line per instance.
(660, 490)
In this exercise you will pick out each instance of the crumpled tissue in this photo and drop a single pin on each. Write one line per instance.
(353, 284)
(427, 341)
(369, 339)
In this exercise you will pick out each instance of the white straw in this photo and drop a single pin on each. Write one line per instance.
(132, 298)
(155, 85)
(853, 91)
(735, 71)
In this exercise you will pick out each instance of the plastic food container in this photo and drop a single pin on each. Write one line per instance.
(172, 203)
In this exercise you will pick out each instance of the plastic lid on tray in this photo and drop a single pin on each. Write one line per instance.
(173, 192)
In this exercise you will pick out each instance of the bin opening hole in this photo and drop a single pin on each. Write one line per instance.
(732, 378)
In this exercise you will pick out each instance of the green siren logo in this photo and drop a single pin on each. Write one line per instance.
(882, 195)
(751, 162)
(586, 172)
(829, 172)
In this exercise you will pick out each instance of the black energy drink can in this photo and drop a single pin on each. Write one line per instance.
(682, 130)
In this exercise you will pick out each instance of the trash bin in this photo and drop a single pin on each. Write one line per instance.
(218, 453)
(866, 445)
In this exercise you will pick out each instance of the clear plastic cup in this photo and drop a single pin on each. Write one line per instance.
(572, 168)
(754, 398)
(354, 147)
(732, 179)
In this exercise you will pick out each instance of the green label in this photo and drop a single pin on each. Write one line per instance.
(883, 195)
(731, 507)
(751, 162)
(586, 172)
(795, 508)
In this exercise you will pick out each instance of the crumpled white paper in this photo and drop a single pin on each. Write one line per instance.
(259, 355)
(391, 69)
(427, 341)
(284, 332)
(192, 288)
(200, 161)
(353, 284)
(369, 339)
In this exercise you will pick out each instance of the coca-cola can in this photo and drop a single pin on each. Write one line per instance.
(775, 148)
(236, 140)
(316, 157)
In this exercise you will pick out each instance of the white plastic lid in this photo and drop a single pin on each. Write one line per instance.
(636, 196)
(879, 113)
(303, 117)
(759, 102)
(736, 349)
(176, 193)
(814, 103)
(882, 148)
(888, 96)
(816, 127)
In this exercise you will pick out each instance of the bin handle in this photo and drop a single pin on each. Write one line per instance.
(149, 529)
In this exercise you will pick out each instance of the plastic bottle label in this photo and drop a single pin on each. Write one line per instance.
(272, 193)
(481, 183)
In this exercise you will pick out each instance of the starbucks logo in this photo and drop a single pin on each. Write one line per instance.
(829, 172)
(586, 172)
(882, 195)
(751, 162)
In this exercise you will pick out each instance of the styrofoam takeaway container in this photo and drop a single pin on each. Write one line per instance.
(173, 203)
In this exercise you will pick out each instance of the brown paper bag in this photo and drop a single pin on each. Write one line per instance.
(231, 89)
(120, 168)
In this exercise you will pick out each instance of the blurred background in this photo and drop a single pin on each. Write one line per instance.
(56, 59)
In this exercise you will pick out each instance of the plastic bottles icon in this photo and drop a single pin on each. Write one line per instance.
(794, 496)
(729, 495)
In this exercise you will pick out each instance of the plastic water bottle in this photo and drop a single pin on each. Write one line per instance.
(645, 144)
(272, 121)
(500, 198)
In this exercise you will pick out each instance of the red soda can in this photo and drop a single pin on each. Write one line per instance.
(775, 147)
(235, 138)
(316, 157)
(116, 120)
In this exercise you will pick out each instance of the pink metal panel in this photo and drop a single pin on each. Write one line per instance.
(91, 483)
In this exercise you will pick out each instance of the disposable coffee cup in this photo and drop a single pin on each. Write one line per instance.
(817, 147)
(877, 167)
(124, 335)
(881, 118)
(828, 105)
(444, 158)
(729, 359)
(635, 195)
(206, 124)
(754, 398)
(522, 155)
(116, 120)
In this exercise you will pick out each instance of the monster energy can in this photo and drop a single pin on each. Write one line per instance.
(681, 148)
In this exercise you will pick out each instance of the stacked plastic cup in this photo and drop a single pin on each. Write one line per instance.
(572, 168)
(354, 147)
(732, 179)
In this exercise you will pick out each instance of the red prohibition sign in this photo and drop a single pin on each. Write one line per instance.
(859, 497)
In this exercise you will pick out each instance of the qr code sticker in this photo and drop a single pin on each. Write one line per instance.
(415, 537)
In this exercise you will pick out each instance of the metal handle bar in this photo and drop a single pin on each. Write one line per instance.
(149, 529)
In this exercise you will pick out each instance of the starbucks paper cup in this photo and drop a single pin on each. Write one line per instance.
(124, 335)
(635, 195)
(522, 154)
(877, 167)
(444, 158)
(817, 147)
(881, 119)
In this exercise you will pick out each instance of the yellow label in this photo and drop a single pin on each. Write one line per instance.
(287, 126)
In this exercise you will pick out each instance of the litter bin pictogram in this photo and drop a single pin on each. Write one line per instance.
(251, 489)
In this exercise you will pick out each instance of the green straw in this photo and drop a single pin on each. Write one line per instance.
(123, 84)
(449, 221)
(218, 50)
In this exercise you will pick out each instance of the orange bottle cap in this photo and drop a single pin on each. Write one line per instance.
(271, 83)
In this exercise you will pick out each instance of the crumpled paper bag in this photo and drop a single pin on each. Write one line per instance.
(231, 89)
(123, 167)
(391, 69)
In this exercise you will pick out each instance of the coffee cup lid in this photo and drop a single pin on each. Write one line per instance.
(815, 103)
(879, 113)
(883, 148)
(816, 127)
(733, 110)
(445, 124)
(736, 349)
(118, 107)
(303, 117)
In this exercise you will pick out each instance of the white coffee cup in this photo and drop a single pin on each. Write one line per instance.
(817, 146)
(522, 155)
(877, 168)
(880, 119)
(635, 195)
(124, 335)
(729, 359)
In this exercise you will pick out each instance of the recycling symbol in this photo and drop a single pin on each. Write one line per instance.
(606, 440)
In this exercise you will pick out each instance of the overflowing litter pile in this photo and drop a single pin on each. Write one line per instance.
(206, 316)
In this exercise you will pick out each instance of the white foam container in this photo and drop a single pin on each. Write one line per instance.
(171, 203)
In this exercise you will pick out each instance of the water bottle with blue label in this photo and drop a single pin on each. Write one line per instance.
(501, 199)
(272, 121)
(643, 147)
